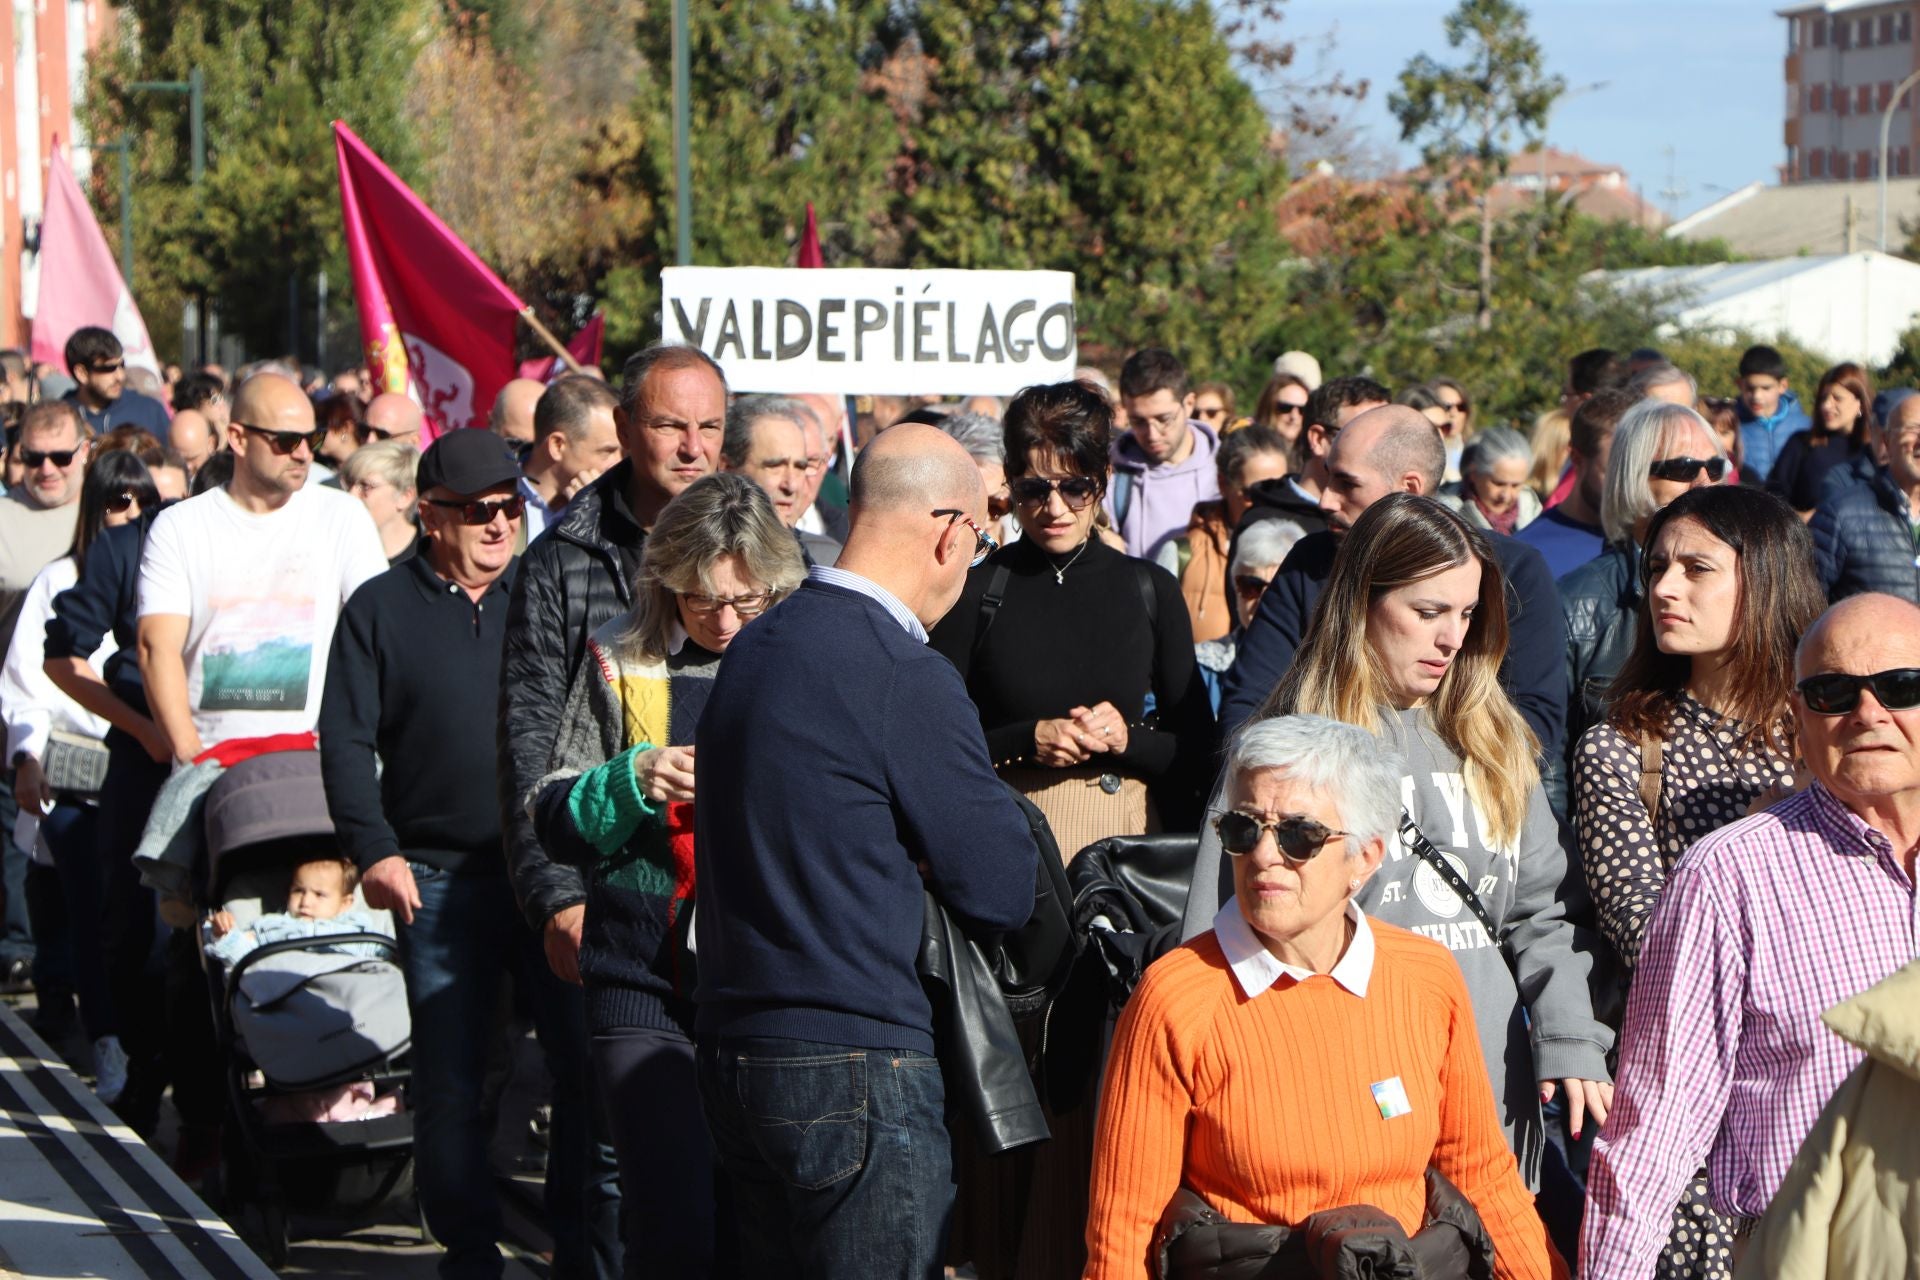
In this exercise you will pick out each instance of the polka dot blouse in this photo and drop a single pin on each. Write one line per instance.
(1706, 782)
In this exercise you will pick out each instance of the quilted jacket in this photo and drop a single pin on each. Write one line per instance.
(1862, 542)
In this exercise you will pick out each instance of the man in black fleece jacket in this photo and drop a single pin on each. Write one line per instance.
(842, 772)
(406, 747)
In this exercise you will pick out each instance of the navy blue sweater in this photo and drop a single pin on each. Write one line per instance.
(836, 752)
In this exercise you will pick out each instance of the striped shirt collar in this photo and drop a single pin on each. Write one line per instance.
(873, 591)
(1255, 968)
(1849, 832)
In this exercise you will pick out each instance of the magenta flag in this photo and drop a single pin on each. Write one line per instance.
(435, 321)
(809, 253)
(80, 283)
(584, 347)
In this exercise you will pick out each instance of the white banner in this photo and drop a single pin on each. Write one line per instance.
(867, 332)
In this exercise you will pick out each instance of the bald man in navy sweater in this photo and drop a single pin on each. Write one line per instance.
(841, 770)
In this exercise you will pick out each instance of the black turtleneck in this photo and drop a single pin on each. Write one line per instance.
(1054, 645)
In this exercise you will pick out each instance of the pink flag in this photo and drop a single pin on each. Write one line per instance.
(809, 254)
(584, 347)
(80, 283)
(435, 321)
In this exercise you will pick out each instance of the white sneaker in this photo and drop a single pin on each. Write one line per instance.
(109, 1069)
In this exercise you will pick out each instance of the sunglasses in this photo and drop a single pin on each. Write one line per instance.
(1284, 410)
(1683, 470)
(482, 512)
(1210, 413)
(1837, 694)
(1298, 839)
(285, 442)
(984, 543)
(1249, 587)
(366, 432)
(1077, 492)
(747, 606)
(122, 501)
(62, 458)
(107, 366)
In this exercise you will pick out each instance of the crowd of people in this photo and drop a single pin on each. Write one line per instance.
(1550, 799)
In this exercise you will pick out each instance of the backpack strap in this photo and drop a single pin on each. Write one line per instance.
(990, 601)
(1120, 488)
(1652, 749)
(1149, 596)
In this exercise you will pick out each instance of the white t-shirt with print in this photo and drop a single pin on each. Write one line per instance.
(261, 593)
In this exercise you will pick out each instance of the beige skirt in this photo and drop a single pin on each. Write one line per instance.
(1086, 803)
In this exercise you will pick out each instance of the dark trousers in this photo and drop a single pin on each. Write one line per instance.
(466, 938)
(135, 968)
(669, 1184)
(16, 932)
(837, 1158)
(72, 837)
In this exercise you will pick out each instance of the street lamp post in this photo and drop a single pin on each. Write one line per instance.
(195, 87)
(124, 145)
(682, 164)
(1886, 130)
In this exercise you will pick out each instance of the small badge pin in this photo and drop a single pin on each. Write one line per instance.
(1391, 1097)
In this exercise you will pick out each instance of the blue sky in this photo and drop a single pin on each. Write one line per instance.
(1701, 76)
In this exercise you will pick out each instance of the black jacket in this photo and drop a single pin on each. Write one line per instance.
(1271, 500)
(1862, 542)
(576, 576)
(106, 601)
(1601, 599)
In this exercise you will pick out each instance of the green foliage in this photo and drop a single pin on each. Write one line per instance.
(276, 73)
(1904, 368)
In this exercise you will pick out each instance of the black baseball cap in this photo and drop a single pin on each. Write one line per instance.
(467, 461)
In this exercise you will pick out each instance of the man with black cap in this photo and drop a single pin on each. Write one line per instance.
(414, 681)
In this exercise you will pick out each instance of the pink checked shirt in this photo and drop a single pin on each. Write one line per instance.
(1764, 925)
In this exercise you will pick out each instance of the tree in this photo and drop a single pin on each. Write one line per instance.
(1466, 116)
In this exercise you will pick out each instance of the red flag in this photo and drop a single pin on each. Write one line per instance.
(80, 283)
(436, 322)
(584, 347)
(809, 255)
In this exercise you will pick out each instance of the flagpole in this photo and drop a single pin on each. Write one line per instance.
(573, 366)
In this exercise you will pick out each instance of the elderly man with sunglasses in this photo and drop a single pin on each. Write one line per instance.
(413, 683)
(1764, 926)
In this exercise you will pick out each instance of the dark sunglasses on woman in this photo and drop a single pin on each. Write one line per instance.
(483, 511)
(1077, 492)
(1298, 839)
(1837, 693)
(1683, 470)
(122, 501)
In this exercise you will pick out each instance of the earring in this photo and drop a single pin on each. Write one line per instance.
(1353, 886)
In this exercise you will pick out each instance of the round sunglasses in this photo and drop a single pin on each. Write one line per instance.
(1298, 839)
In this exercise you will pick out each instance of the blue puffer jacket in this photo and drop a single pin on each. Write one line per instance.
(1862, 541)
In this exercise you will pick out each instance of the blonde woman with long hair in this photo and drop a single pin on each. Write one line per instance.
(1407, 642)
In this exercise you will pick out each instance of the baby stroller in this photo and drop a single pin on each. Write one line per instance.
(296, 1017)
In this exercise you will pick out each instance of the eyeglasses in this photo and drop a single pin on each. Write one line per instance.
(1298, 839)
(62, 458)
(984, 543)
(1684, 470)
(122, 501)
(106, 366)
(747, 606)
(1837, 694)
(1077, 492)
(482, 512)
(285, 442)
(1250, 586)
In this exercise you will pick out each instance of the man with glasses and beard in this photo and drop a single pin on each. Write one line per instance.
(99, 367)
(1764, 926)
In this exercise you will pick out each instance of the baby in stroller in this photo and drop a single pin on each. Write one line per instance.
(319, 901)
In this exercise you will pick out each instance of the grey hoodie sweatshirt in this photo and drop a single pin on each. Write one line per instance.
(1550, 1033)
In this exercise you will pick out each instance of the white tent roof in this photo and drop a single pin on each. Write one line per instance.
(1850, 306)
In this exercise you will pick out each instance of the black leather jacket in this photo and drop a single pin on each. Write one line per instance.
(990, 995)
(1601, 599)
(576, 576)
(1863, 542)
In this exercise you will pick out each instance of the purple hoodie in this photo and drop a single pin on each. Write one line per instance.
(1149, 504)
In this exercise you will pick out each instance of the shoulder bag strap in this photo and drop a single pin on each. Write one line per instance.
(990, 602)
(1652, 749)
(1149, 597)
(1450, 876)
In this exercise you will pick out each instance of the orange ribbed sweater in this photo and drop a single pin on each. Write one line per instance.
(1265, 1106)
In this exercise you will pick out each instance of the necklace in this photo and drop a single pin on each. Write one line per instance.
(1060, 570)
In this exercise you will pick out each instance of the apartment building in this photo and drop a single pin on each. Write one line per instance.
(1845, 59)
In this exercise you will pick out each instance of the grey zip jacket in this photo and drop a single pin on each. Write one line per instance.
(1542, 1030)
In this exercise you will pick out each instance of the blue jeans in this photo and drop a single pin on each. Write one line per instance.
(837, 1157)
(466, 936)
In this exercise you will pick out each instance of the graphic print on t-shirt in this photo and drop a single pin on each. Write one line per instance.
(257, 654)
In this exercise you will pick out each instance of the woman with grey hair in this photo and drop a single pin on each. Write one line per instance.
(986, 443)
(1299, 1058)
(1255, 560)
(1659, 451)
(618, 803)
(1493, 492)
